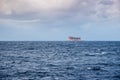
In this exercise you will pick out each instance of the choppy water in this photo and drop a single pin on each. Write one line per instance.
(60, 60)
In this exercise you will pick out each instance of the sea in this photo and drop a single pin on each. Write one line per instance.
(59, 60)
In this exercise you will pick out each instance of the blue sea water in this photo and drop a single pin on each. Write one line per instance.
(59, 60)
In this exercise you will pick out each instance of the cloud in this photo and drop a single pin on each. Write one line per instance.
(26, 6)
(60, 9)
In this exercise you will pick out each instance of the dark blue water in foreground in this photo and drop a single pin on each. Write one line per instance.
(60, 60)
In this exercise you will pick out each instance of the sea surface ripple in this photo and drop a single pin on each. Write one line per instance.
(59, 60)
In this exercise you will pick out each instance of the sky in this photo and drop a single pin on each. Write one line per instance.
(55, 20)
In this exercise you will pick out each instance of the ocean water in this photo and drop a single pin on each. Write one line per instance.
(59, 60)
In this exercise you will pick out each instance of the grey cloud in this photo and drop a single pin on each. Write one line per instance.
(107, 2)
(59, 9)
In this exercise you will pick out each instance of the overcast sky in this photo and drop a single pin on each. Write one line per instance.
(52, 20)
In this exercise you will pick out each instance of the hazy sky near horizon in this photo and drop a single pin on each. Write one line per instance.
(52, 20)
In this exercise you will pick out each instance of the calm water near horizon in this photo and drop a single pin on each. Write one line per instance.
(59, 60)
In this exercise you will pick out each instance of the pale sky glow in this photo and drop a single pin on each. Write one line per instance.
(52, 20)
